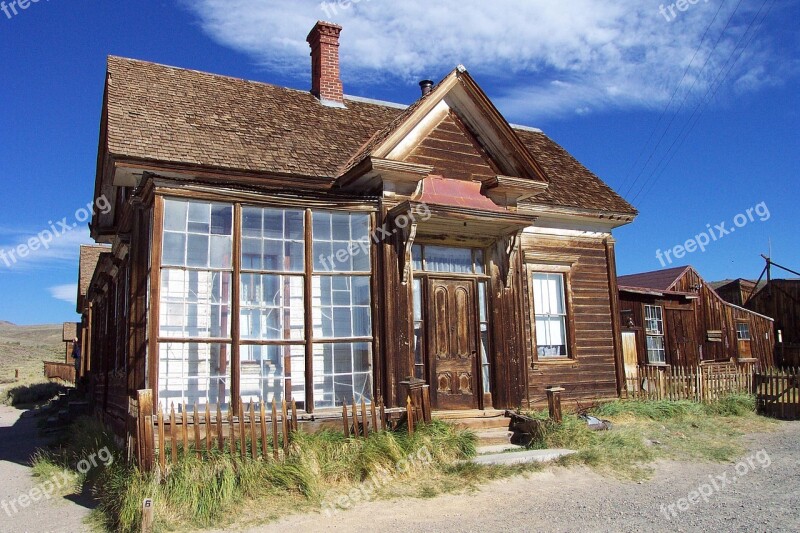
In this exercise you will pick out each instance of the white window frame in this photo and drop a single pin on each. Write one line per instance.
(655, 355)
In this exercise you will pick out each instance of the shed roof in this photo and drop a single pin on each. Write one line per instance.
(659, 280)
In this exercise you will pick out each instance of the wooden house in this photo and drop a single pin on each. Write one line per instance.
(672, 317)
(780, 299)
(270, 243)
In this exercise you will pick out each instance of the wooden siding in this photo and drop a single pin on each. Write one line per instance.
(687, 339)
(780, 299)
(453, 152)
(591, 372)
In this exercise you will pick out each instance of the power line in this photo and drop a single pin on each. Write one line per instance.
(703, 103)
(672, 98)
(688, 93)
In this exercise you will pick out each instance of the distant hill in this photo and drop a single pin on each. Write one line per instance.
(26, 347)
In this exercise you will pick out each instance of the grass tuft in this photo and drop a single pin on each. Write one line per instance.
(32, 394)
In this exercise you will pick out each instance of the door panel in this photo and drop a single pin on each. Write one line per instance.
(682, 338)
(453, 344)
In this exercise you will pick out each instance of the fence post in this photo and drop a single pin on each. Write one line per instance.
(147, 516)
(145, 445)
(554, 403)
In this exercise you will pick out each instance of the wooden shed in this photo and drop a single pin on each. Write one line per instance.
(780, 299)
(673, 317)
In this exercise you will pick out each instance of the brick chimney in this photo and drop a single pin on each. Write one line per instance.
(326, 81)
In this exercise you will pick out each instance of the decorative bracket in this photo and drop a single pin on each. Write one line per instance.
(507, 247)
(405, 238)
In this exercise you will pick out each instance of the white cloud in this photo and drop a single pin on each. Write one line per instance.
(549, 58)
(61, 251)
(65, 293)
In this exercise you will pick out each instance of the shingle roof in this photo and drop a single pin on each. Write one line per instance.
(89, 255)
(173, 115)
(660, 280)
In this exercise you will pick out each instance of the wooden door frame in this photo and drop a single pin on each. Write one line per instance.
(428, 319)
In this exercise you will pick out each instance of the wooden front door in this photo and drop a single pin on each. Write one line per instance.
(631, 357)
(682, 338)
(452, 344)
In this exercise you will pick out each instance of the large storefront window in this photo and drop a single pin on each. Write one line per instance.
(271, 308)
(341, 309)
(278, 288)
(195, 303)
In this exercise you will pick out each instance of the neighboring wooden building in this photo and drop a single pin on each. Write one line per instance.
(269, 243)
(780, 299)
(69, 334)
(672, 317)
(736, 291)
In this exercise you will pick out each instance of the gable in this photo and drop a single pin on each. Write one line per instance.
(453, 152)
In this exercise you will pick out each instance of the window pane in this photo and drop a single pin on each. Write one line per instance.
(416, 257)
(444, 259)
(174, 249)
(174, 215)
(195, 304)
(271, 307)
(341, 242)
(197, 234)
(192, 372)
(479, 266)
(221, 219)
(252, 222)
(221, 252)
(272, 239)
(342, 373)
(341, 306)
(266, 371)
(197, 250)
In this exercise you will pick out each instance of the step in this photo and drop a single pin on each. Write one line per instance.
(494, 436)
(498, 448)
(523, 457)
(473, 419)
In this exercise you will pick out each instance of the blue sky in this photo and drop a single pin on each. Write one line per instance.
(597, 76)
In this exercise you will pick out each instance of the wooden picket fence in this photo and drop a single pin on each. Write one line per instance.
(697, 384)
(778, 393)
(255, 432)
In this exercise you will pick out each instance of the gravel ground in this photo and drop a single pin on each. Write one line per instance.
(18, 440)
(754, 498)
(576, 499)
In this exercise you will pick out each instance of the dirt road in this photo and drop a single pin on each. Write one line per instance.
(19, 513)
(762, 494)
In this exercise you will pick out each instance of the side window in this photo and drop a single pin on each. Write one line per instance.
(654, 329)
(550, 315)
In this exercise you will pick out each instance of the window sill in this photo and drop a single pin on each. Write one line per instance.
(555, 362)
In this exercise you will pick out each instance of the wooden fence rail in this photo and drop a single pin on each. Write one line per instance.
(63, 371)
(256, 431)
(778, 393)
(698, 384)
